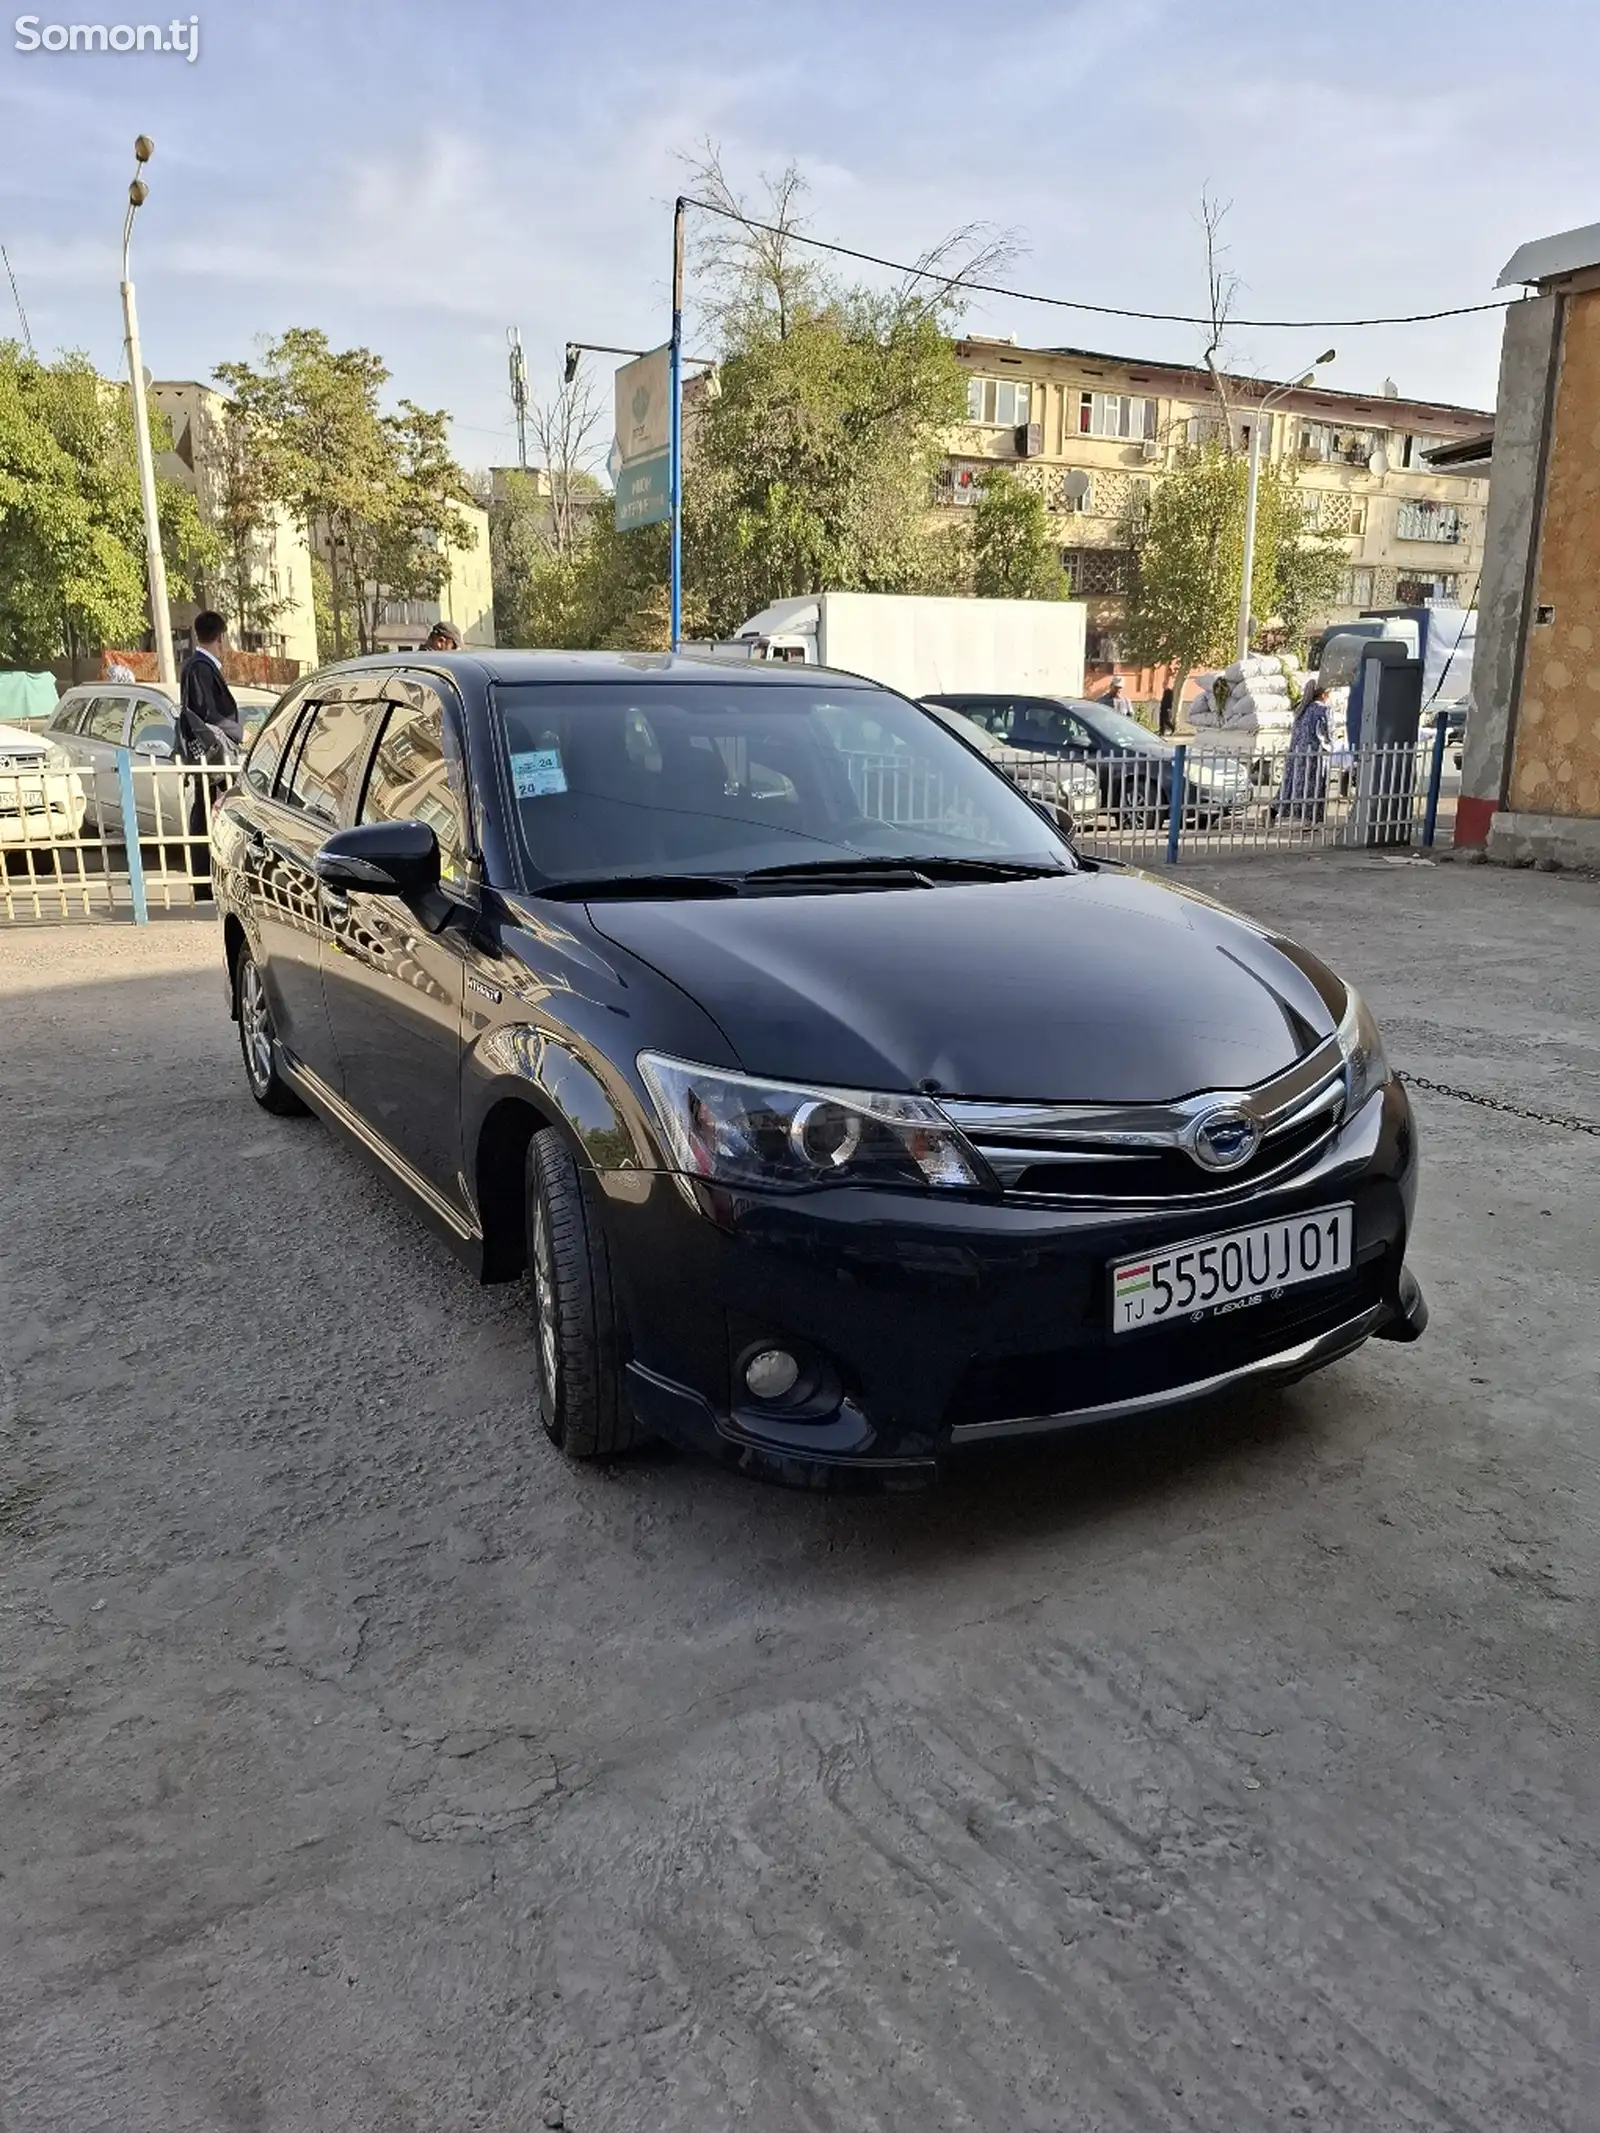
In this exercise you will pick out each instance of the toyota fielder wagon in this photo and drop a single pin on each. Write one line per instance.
(838, 1113)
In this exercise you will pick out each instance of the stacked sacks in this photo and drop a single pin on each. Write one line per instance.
(1257, 694)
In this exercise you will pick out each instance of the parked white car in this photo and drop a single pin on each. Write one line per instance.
(98, 722)
(41, 797)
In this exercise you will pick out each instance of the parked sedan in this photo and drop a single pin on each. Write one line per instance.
(842, 1117)
(98, 722)
(41, 799)
(1071, 790)
(1133, 765)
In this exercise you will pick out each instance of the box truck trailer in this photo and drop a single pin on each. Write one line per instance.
(925, 646)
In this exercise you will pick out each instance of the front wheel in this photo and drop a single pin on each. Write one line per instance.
(257, 1040)
(583, 1401)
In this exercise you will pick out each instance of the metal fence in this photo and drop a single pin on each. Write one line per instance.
(1206, 801)
(1213, 802)
(81, 843)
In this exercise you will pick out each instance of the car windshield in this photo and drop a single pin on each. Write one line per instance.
(706, 777)
(1120, 731)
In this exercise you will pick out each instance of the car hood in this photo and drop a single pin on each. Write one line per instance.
(19, 745)
(1095, 987)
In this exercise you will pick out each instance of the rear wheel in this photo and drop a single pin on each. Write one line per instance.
(257, 1042)
(583, 1402)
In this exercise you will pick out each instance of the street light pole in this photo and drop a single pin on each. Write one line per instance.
(1242, 635)
(155, 563)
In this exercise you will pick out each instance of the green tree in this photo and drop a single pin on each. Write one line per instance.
(814, 450)
(71, 528)
(813, 464)
(240, 509)
(1013, 557)
(379, 494)
(1188, 557)
(810, 451)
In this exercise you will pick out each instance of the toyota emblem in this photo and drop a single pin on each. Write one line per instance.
(1225, 1140)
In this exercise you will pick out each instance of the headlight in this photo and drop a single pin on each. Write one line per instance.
(57, 758)
(741, 1131)
(1366, 1068)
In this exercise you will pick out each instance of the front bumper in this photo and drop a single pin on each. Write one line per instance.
(953, 1321)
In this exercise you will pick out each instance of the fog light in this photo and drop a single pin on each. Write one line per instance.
(771, 1373)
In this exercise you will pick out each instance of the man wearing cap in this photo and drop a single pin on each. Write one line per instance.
(443, 637)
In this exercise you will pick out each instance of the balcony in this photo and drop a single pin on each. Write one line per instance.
(1420, 518)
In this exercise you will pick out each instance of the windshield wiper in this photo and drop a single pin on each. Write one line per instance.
(596, 888)
(923, 865)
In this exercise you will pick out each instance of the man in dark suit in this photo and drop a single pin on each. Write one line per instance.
(208, 719)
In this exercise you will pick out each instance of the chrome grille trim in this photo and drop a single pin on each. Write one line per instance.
(1013, 1138)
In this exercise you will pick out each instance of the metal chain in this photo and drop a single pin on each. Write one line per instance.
(1497, 1103)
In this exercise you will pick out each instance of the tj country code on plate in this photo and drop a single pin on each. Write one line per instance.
(1239, 1267)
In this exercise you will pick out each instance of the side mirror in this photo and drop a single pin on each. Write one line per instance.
(380, 859)
(152, 745)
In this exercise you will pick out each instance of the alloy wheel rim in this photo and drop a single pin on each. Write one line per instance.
(256, 1026)
(544, 1301)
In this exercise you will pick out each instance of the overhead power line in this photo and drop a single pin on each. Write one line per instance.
(1072, 303)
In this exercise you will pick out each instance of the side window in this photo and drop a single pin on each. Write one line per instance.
(271, 742)
(107, 715)
(329, 760)
(69, 714)
(150, 723)
(413, 779)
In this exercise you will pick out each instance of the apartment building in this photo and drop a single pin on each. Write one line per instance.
(1092, 432)
(280, 559)
(466, 598)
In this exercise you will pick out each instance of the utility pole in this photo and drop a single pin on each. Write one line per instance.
(519, 393)
(16, 298)
(155, 564)
(675, 431)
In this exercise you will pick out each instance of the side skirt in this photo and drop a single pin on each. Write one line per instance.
(463, 1237)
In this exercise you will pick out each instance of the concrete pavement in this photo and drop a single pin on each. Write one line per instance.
(363, 1766)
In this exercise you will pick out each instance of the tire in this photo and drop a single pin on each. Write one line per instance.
(583, 1402)
(258, 1043)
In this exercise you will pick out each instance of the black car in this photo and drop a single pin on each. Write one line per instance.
(1134, 765)
(841, 1116)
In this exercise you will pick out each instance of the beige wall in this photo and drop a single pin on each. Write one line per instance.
(466, 598)
(281, 558)
(1556, 760)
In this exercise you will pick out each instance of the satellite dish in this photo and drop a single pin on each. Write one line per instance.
(1378, 461)
(1075, 484)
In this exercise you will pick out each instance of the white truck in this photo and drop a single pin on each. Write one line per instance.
(922, 645)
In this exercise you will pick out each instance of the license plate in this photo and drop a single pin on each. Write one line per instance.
(33, 796)
(1214, 1275)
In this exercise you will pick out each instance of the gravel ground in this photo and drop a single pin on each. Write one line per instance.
(364, 1767)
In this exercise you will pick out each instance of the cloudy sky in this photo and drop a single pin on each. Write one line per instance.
(417, 177)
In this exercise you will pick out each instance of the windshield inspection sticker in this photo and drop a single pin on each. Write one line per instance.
(537, 772)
